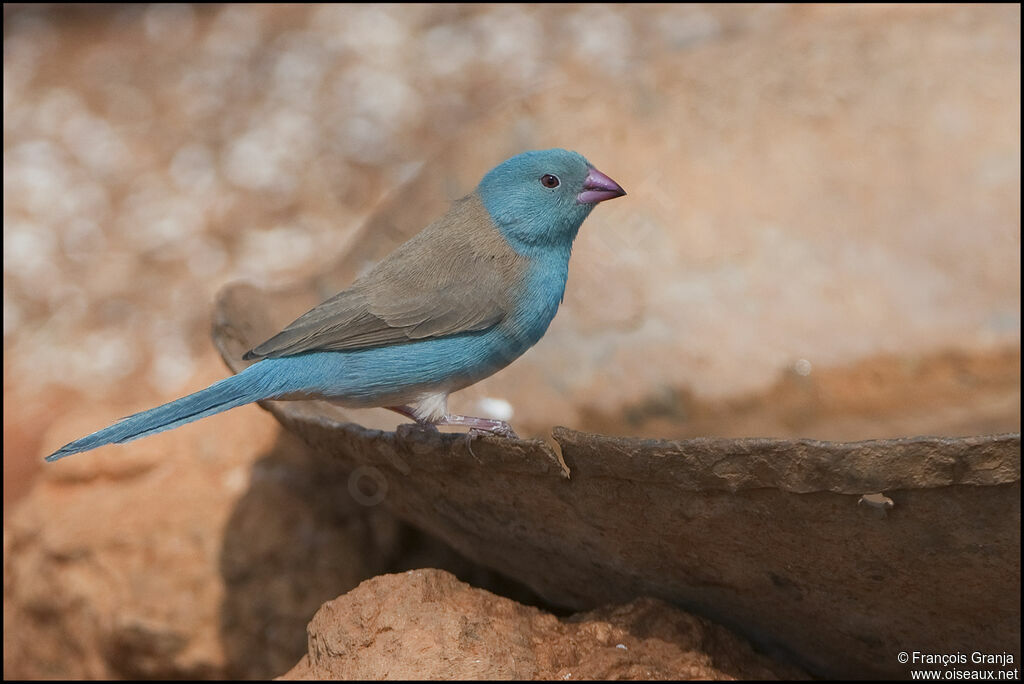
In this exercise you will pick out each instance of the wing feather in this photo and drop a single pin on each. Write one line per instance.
(458, 275)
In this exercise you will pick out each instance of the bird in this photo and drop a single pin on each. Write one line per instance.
(457, 302)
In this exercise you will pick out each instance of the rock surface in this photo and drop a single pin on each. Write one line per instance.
(791, 261)
(821, 240)
(768, 537)
(197, 553)
(425, 624)
(180, 556)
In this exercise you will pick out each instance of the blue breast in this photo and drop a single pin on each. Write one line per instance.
(396, 374)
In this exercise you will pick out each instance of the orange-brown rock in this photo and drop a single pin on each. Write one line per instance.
(200, 552)
(425, 624)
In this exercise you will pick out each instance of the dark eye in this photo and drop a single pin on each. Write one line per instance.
(549, 181)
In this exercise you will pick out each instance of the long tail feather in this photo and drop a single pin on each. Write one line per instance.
(252, 384)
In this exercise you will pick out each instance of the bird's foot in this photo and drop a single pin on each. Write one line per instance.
(480, 425)
(473, 433)
(477, 426)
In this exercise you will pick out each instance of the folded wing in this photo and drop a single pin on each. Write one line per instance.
(458, 275)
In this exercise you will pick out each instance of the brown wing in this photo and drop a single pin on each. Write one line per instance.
(457, 275)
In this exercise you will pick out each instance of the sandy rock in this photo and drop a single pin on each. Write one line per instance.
(793, 259)
(200, 552)
(425, 624)
(767, 537)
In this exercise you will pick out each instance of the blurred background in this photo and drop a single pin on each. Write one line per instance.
(821, 237)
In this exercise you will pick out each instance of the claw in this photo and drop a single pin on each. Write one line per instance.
(505, 430)
(470, 436)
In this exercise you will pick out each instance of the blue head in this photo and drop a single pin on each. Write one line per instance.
(539, 199)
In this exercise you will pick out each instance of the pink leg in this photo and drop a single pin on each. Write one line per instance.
(476, 425)
(498, 427)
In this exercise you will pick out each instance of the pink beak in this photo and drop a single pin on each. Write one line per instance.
(598, 188)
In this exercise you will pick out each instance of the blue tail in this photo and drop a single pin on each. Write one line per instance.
(253, 384)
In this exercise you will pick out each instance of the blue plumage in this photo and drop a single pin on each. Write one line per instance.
(253, 384)
(458, 302)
